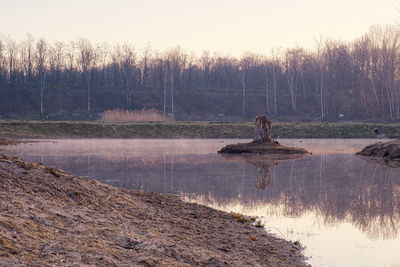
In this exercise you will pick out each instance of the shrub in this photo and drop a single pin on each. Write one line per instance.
(144, 115)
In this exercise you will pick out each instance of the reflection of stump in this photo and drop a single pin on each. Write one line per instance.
(264, 177)
(264, 173)
(264, 163)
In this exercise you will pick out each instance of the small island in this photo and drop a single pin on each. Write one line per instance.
(262, 148)
(262, 143)
(387, 153)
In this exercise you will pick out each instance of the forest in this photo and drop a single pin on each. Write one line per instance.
(334, 81)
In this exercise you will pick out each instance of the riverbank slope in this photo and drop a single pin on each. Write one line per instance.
(96, 129)
(49, 217)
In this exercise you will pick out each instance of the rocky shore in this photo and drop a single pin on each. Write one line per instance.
(51, 218)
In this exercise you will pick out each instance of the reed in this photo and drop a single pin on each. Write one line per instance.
(144, 115)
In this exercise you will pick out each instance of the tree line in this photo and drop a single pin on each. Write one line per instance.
(335, 80)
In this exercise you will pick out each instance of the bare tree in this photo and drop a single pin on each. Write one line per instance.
(389, 55)
(205, 66)
(177, 61)
(103, 51)
(127, 68)
(87, 60)
(266, 65)
(29, 41)
(160, 69)
(11, 51)
(319, 76)
(360, 57)
(41, 66)
(293, 59)
(276, 70)
(144, 64)
(191, 69)
(3, 67)
(165, 71)
(125, 59)
(56, 60)
(70, 63)
(247, 62)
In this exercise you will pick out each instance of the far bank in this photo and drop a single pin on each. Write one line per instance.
(97, 129)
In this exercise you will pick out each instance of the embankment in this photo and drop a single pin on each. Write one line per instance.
(78, 129)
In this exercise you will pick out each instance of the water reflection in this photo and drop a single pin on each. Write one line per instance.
(308, 196)
(382, 161)
(337, 188)
(264, 164)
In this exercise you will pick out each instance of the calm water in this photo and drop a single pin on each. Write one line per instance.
(345, 210)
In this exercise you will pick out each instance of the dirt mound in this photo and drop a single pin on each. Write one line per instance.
(386, 150)
(262, 148)
(49, 217)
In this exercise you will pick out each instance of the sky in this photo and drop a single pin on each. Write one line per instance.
(226, 26)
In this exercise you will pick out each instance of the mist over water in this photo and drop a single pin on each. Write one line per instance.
(345, 210)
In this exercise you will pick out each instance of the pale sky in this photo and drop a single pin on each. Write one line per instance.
(228, 26)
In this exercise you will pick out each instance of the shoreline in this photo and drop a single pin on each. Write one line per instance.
(51, 217)
(97, 129)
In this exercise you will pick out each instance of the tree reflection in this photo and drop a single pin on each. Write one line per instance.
(264, 164)
(336, 187)
(365, 195)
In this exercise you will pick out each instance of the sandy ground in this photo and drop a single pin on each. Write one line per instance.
(52, 218)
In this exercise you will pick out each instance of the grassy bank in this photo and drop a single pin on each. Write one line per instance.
(79, 129)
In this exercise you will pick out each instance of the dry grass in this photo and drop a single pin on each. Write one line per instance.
(144, 115)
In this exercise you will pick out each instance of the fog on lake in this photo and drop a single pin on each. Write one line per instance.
(344, 209)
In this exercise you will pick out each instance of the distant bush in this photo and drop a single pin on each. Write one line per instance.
(144, 115)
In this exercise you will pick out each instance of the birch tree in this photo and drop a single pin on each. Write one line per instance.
(125, 59)
(247, 62)
(319, 78)
(276, 71)
(70, 62)
(86, 60)
(11, 51)
(144, 64)
(265, 66)
(292, 69)
(3, 67)
(29, 41)
(41, 61)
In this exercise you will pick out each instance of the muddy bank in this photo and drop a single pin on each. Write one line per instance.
(12, 141)
(49, 217)
(261, 148)
(386, 150)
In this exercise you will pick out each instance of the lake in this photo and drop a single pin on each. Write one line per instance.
(345, 210)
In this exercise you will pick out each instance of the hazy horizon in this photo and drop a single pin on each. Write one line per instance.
(230, 27)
